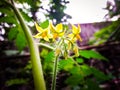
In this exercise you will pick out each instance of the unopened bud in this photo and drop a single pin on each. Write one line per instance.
(57, 51)
(75, 49)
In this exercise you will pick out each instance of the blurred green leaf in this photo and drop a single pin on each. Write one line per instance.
(85, 53)
(100, 76)
(12, 33)
(6, 11)
(80, 60)
(97, 55)
(75, 70)
(8, 19)
(25, 15)
(103, 35)
(28, 66)
(43, 53)
(92, 85)
(49, 57)
(48, 62)
(66, 64)
(92, 54)
(20, 41)
(86, 70)
(74, 80)
(44, 24)
(16, 81)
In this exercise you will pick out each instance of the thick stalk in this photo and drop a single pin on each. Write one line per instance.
(34, 52)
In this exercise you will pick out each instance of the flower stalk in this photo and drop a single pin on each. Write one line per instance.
(53, 87)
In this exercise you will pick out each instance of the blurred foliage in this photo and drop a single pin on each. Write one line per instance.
(77, 71)
(113, 8)
(92, 54)
(16, 81)
(56, 11)
(111, 32)
(82, 74)
(10, 25)
(107, 34)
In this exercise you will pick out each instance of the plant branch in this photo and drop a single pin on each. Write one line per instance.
(46, 46)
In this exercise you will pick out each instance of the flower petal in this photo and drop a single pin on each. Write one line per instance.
(37, 35)
(79, 28)
(39, 29)
(52, 28)
(74, 29)
(61, 34)
(79, 37)
(59, 27)
(46, 38)
(71, 36)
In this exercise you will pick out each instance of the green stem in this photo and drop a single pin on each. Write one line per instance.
(46, 46)
(35, 57)
(54, 73)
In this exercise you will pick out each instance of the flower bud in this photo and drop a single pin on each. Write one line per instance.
(57, 51)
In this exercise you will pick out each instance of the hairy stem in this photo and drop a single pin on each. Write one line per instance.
(54, 73)
(35, 58)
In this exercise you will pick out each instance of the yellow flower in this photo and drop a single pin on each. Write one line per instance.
(57, 30)
(43, 33)
(75, 35)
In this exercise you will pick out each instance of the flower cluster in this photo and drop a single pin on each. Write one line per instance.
(64, 40)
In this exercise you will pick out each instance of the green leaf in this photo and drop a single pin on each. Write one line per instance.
(66, 64)
(97, 55)
(49, 57)
(44, 24)
(48, 62)
(74, 80)
(102, 35)
(85, 54)
(8, 19)
(6, 11)
(12, 33)
(16, 81)
(20, 41)
(86, 70)
(92, 85)
(25, 16)
(43, 52)
(100, 76)
(75, 70)
(80, 60)
(92, 54)
(28, 66)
